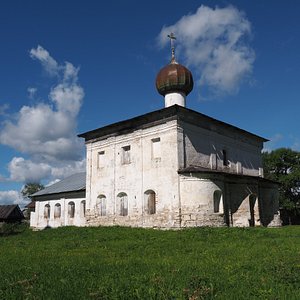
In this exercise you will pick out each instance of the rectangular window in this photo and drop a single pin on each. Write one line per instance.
(101, 159)
(126, 155)
(225, 159)
(156, 150)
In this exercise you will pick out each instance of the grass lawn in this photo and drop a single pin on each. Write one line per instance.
(131, 263)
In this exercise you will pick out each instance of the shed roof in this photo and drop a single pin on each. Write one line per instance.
(75, 182)
(7, 210)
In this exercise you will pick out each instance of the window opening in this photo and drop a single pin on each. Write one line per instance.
(101, 159)
(156, 149)
(57, 211)
(101, 205)
(71, 209)
(123, 202)
(126, 155)
(225, 159)
(47, 211)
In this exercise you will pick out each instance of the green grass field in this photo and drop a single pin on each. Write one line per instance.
(130, 263)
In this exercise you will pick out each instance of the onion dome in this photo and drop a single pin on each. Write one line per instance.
(174, 78)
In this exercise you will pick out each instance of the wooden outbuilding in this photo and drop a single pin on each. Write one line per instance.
(10, 213)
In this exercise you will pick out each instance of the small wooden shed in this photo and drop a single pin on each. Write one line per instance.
(10, 213)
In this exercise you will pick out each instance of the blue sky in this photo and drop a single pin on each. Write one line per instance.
(72, 66)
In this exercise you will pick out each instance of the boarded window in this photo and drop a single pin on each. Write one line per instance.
(101, 205)
(82, 208)
(126, 155)
(71, 209)
(156, 150)
(123, 204)
(218, 202)
(57, 211)
(150, 202)
(47, 211)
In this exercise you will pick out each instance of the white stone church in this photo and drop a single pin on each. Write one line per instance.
(171, 168)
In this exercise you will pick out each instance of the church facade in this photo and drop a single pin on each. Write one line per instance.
(171, 168)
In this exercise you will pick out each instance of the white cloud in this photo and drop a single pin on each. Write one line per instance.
(213, 42)
(31, 92)
(25, 170)
(68, 98)
(46, 132)
(3, 109)
(22, 170)
(273, 142)
(11, 197)
(52, 182)
(50, 65)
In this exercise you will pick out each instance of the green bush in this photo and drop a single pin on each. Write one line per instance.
(12, 228)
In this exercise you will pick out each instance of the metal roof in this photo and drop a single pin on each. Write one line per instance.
(75, 182)
(161, 116)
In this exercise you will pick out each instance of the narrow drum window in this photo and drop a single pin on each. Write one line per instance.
(71, 209)
(57, 211)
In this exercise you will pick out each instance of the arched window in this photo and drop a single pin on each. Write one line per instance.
(218, 202)
(150, 202)
(123, 204)
(57, 211)
(71, 209)
(82, 208)
(101, 205)
(47, 211)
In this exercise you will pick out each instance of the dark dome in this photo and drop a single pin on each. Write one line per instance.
(174, 78)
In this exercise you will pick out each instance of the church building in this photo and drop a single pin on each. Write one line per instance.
(170, 168)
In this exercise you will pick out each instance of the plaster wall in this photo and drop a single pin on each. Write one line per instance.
(205, 147)
(197, 202)
(108, 175)
(39, 221)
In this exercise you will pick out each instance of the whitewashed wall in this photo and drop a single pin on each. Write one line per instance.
(204, 148)
(39, 221)
(144, 172)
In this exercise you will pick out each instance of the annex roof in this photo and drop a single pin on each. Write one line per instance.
(75, 182)
(161, 116)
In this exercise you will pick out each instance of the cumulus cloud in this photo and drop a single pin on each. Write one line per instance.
(49, 63)
(25, 170)
(214, 43)
(11, 197)
(46, 132)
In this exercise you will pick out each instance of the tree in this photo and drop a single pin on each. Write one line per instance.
(31, 188)
(283, 165)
